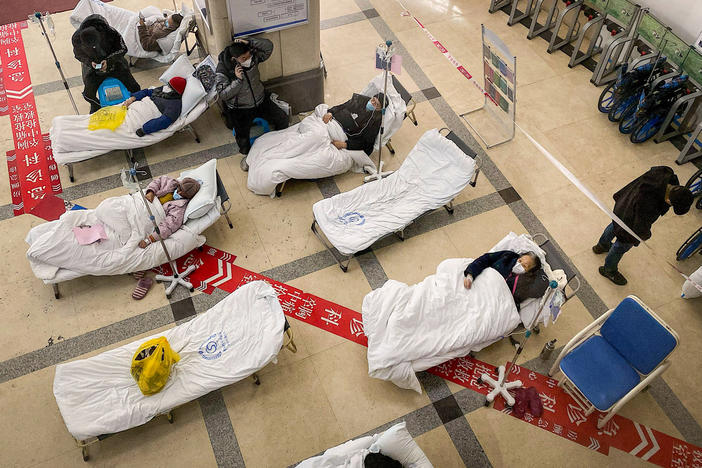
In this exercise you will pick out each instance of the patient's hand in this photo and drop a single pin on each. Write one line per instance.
(150, 196)
(142, 244)
(327, 118)
(468, 282)
(339, 144)
(129, 101)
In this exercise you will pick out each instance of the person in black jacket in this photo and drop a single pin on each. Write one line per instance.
(639, 205)
(360, 118)
(522, 273)
(100, 50)
(168, 101)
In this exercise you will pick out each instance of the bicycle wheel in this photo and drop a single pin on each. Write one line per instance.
(690, 247)
(604, 104)
(646, 129)
(694, 183)
(618, 108)
(629, 119)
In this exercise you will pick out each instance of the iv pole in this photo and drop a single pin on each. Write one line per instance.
(385, 54)
(175, 279)
(37, 17)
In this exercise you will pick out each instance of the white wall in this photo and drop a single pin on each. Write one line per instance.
(683, 16)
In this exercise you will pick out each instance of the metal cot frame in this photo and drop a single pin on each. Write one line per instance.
(344, 260)
(225, 206)
(288, 343)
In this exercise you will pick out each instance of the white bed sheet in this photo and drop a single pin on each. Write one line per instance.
(125, 22)
(72, 142)
(232, 340)
(433, 174)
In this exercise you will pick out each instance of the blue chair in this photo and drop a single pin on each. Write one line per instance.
(112, 91)
(257, 122)
(615, 357)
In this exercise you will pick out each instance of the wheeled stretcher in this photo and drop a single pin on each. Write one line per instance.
(233, 340)
(437, 169)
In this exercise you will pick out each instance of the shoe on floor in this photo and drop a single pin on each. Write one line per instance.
(616, 277)
(244, 165)
(598, 249)
(142, 288)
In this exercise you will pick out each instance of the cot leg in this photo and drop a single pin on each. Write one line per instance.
(256, 380)
(292, 347)
(413, 118)
(57, 294)
(400, 235)
(449, 207)
(193, 133)
(229, 221)
(331, 250)
(169, 416)
(279, 188)
(84, 452)
(70, 172)
(389, 145)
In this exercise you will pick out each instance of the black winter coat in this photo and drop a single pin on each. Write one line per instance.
(641, 202)
(111, 46)
(361, 130)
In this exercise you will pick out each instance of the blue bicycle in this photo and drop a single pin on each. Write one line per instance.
(627, 85)
(691, 246)
(651, 101)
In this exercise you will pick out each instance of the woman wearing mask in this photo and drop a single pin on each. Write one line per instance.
(520, 271)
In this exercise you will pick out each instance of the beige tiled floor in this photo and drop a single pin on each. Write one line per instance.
(322, 395)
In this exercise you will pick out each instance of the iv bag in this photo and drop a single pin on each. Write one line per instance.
(128, 182)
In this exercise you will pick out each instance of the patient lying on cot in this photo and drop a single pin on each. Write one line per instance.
(360, 118)
(167, 99)
(174, 195)
(522, 273)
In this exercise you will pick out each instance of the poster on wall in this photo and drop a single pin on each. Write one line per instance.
(256, 16)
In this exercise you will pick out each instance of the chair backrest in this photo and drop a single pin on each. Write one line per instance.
(406, 96)
(638, 335)
(461, 145)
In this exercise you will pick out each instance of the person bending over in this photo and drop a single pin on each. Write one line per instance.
(174, 195)
(239, 85)
(639, 205)
(100, 50)
(360, 117)
(150, 34)
(522, 273)
(168, 100)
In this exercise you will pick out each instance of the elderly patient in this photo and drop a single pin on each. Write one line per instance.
(174, 195)
(167, 99)
(360, 117)
(522, 272)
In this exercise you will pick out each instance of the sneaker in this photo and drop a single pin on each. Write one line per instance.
(598, 249)
(244, 165)
(616, 277)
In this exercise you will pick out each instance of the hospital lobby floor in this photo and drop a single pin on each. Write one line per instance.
(322, 395)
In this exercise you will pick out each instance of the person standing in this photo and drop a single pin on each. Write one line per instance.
(239, 85)
(100, 50)
(639, 205)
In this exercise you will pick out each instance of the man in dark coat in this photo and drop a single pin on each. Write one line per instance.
(239, 85)
(639, 205)
(360, 117)
(100, 50)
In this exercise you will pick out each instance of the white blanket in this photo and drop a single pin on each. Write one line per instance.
(434, 172)
(125, 22)
(71, 140)
(52, 245)
(412, 328)
(303, 151)
(232, 340)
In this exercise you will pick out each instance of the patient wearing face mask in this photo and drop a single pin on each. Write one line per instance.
(520, 271)
(360, 117)
(174, 195)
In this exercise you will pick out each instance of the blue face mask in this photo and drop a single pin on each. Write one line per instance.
(370, 107)
(165, 23)
(176, 195)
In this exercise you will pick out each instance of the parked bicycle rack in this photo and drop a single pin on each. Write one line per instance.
(556, 42)
(499, 4)
(626, 14)
(535, 29)
(593, 27)
(692, 67)
(515, 16)
(686, 154)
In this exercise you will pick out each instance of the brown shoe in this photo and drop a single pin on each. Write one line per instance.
(598, 249)
(616, 277)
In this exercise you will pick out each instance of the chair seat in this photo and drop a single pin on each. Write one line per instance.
(601, 374)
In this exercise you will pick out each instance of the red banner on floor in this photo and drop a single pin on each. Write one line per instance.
(15, 190)
(31, 162)
(54, 178)
(3, 98)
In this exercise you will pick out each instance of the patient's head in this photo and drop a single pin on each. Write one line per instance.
(377, 101)
(528, 261)
(187, 188)
(174, 21)
(378, 460)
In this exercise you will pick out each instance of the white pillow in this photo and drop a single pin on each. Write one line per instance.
(166, 43)
(204, 199)
(181, 67)
(397, 443)
(194, 92)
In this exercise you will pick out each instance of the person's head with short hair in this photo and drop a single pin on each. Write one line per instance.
(174, 20)
(377, 101)
(188, 187)
(378, 460)
(530, 261)
(680, 198)
(240, 52)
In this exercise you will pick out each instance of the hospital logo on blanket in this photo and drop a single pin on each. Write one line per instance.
(214, 346)
(352, 218)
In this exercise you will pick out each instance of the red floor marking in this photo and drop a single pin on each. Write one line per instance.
(31, 164)
(17, 203)
(3, 97)
(562, 416)
(54, 178)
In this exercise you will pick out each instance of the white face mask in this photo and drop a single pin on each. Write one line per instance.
(518, 269)
(166, 88)
(247, 63)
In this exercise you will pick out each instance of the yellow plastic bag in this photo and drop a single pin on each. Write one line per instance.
(109, 117)
(151, 365)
